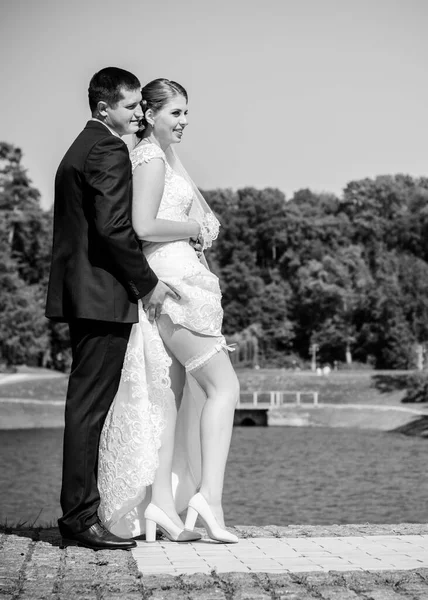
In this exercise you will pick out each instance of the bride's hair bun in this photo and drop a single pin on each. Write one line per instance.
(156, 94)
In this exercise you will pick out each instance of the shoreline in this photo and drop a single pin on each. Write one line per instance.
(29, 413)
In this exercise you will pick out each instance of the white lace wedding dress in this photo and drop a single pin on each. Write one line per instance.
(131, 437)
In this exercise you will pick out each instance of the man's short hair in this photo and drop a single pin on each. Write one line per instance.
(106, 85)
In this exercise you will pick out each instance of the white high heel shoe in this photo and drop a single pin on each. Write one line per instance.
(199, 506)
(156, 516)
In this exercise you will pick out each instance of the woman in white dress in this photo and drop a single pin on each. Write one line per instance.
(169, 429)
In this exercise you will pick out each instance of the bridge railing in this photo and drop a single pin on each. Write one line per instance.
(273, 398)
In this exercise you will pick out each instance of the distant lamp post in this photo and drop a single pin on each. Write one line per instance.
(314, 350)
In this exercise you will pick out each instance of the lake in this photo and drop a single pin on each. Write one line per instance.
(275, 475)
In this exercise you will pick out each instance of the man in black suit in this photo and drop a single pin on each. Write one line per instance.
(98, 274)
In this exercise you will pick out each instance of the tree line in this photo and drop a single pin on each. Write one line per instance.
(348, 275)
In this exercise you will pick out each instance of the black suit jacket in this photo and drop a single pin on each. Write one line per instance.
(98, 270)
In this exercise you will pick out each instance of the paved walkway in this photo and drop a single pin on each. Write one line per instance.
(338, 562)
(279, 555)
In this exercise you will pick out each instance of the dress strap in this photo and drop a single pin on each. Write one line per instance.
(145, 152)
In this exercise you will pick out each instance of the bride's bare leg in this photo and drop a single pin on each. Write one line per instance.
(220, 384)
(161, 487)
(218, 380)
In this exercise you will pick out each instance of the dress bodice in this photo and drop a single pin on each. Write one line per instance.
(177, 195)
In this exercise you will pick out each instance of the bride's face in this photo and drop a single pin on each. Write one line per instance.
(170, 121)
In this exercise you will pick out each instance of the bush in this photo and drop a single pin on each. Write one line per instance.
(417, 390)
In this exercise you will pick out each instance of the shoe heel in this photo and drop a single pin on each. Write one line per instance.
(150, 530)
(192, 515)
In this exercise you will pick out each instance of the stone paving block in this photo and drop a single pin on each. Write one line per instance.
(8, 586)
(199, 581)
(235, 568)
(252, 552)
(289, 555)
(284, 588)
(43, 566)
(190, 570)
(146, 560)
(221, 549)
(270, 542)
(336, 593)
(117, 587)
(191, 563)
(169, 595)
(138, 551)
(406, 563)
(414, 587)
(164, 582)
(208, 556)
(264, 560)
(290, 595)
(35, 592)
(304, 569)
(212, 594)
(128, 596)
(250, 595)
(267, 570)
(80, 594)
(158, 571)
(375, 568)
(384, 593)
(251, 532)
(290, 563)
(335, 567)
(312, 580)
(358, 580)
(302, 543)
(243, 586)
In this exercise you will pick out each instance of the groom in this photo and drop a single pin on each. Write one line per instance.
(98, 273)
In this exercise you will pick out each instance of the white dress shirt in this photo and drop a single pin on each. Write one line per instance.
(105, 125)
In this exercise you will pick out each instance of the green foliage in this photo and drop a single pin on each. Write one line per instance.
(24, 255)
(417, 388)
(348, 274)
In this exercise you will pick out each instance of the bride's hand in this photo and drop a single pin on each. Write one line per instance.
(197, 247)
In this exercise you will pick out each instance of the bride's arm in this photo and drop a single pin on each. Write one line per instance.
(148, 186)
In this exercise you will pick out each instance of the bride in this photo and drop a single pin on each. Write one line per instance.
(166, 439)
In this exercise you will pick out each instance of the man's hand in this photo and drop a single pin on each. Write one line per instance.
(197, 246)
(153, 301)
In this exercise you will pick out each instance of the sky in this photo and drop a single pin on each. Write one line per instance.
(282, 93)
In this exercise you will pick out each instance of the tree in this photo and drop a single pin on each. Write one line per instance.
(23, 327)
(329, 294)
(24, 251)
(29, 227)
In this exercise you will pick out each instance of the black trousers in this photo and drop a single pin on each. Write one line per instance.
(98, 350)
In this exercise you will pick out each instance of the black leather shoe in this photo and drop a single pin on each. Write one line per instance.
(97, 537)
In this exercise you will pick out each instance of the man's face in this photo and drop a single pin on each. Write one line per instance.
(125, 117)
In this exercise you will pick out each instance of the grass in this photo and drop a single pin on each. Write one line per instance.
(7, 527)
(360, 387)
(349, 387)
(36, 389)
